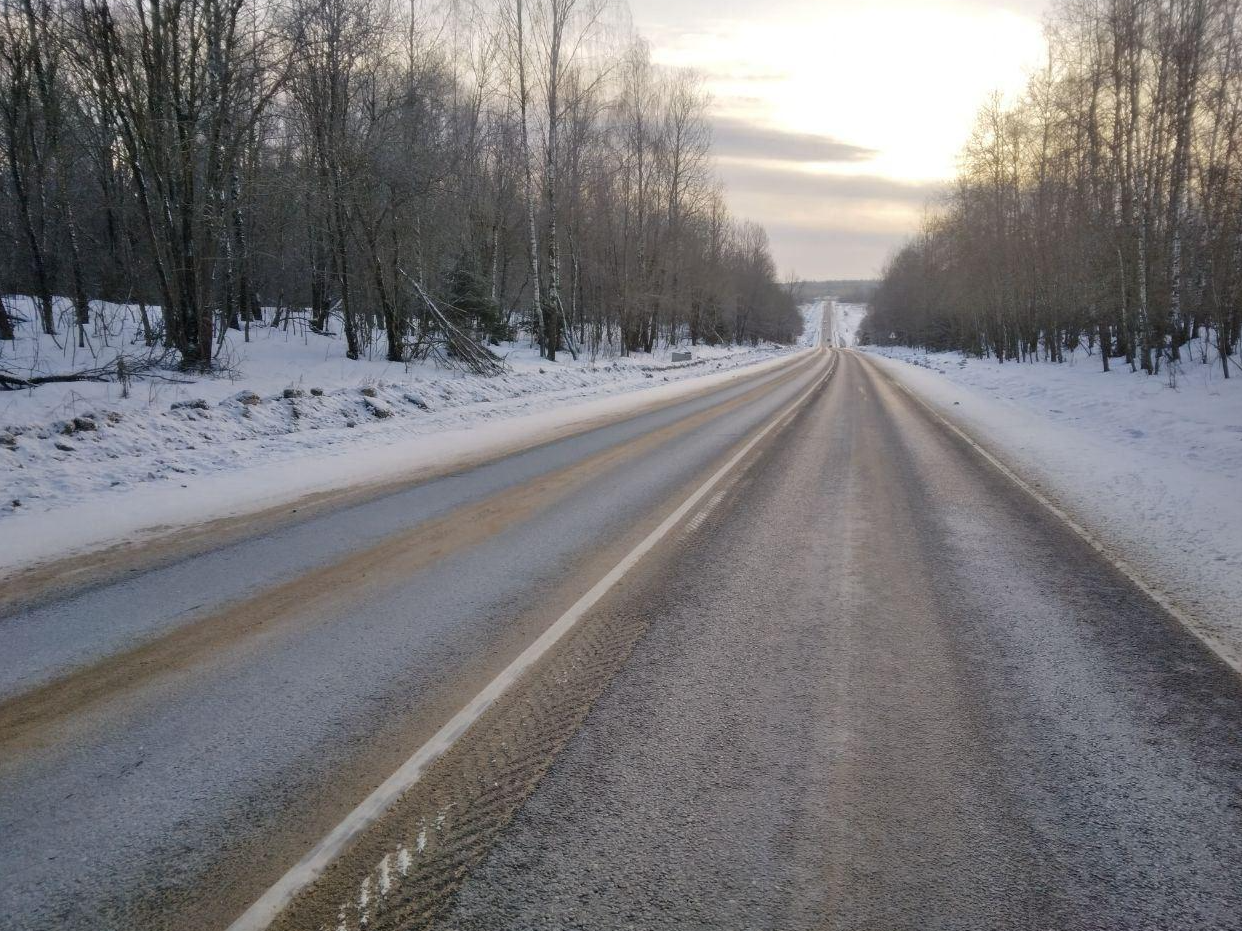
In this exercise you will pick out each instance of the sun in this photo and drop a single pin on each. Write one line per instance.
(911, 96)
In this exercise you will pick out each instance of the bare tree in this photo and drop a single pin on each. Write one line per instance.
(1100, 209)
(413, 176)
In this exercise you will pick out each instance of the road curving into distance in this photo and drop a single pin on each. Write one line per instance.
(859, 680)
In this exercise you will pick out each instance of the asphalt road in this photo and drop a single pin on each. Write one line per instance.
(868, 684)
(172, 740)
(881, 689)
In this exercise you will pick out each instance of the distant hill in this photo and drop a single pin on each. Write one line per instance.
(850, 291)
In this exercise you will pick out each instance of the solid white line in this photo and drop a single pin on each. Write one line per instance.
(1186, 620)
(264, 911)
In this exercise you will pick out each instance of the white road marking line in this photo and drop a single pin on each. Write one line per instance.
(266, 909)
(1132, 574)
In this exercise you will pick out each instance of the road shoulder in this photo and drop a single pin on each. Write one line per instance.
(1169, 523)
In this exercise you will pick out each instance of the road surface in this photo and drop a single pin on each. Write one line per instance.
(866, 682)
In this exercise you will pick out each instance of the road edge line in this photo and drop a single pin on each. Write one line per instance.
(1183, 618)
(268, 907)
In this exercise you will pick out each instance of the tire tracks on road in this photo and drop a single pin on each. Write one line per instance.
(403, 871)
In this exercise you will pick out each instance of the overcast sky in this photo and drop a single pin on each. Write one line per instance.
(835, 120)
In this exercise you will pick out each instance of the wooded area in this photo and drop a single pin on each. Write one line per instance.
(518, 167)
(1103, 210)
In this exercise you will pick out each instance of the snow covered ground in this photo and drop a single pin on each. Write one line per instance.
(1151, 470)
(839, 329)
(82, 465)
(812, 322)
(846, 320)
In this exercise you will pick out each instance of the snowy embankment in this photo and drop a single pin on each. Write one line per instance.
(839, 329)
(1152, 471)
(846, 319)
(813, 322)
(82, 465)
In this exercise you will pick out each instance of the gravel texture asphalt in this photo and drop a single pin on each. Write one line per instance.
(882, 689)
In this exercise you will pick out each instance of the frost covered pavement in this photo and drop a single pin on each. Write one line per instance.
(864, 681)
(883, 689)
(1151, 470)
(170, 741)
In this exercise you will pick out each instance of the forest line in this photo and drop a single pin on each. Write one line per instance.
(1102, 210)
(405, 175)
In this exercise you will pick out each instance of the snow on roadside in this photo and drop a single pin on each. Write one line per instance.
(849, 318)
(81, 466)
(1151, 470)
(836, 321)
(812, 322)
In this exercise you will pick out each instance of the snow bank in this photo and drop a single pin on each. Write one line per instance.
(81, 465)
(1152, 470)
(837, 322)
(813, 322)
(847, 318)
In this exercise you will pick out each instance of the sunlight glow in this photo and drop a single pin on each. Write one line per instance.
(900, 77)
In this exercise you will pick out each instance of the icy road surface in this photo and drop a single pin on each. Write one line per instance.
(866, 683)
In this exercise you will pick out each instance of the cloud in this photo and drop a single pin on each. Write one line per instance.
(883, 106)
(735, 138)
(741, 73)
(828, 225)
(831, 253)
(775, 181)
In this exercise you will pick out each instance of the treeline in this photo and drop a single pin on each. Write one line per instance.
(518, 166)
(845, 290)
(1104, 209)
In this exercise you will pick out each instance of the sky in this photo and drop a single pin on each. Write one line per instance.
(835, 121)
